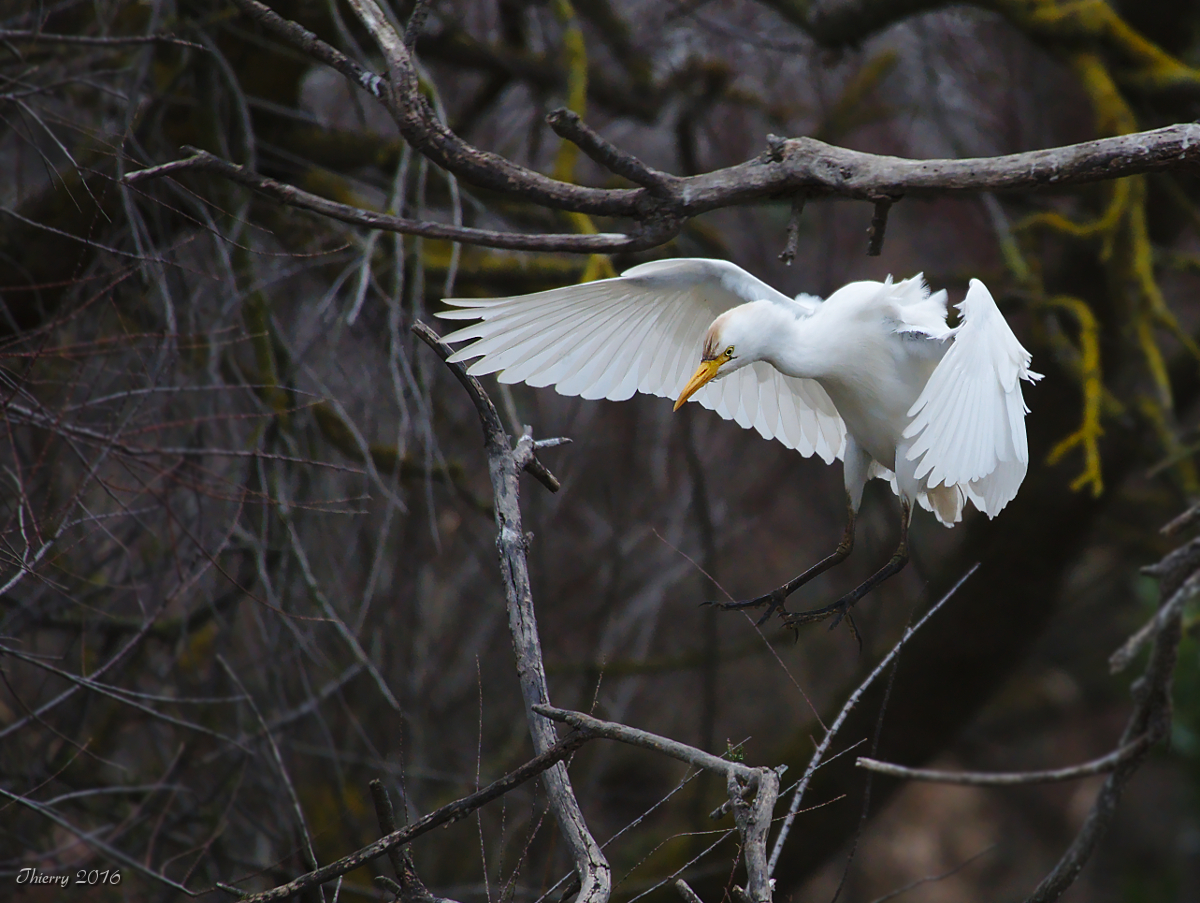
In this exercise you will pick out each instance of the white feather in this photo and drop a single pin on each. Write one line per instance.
(968, 424)
(643, 331)
(938, 412)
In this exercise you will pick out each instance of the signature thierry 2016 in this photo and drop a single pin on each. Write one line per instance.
(30, 875)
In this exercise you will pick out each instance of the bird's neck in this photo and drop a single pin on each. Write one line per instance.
(793, 345)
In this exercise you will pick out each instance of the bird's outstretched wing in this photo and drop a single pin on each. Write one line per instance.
(968, 424)
(643, 332)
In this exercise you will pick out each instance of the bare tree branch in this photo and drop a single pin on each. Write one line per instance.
(788, 167)
(567, 124)
(202, 161)
(42, 37)
(685, 891)
(504, 466)
(410, 888)
(754, 822)
(1172, 608)
(1150, 720)
(752, 818)
(623, 733)
(445, 815)
(878, 226)
(851, 702)
(1102, 765)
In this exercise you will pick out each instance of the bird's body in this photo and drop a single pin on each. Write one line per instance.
(873, 375)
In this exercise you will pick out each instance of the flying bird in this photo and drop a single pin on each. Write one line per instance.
(872, 375)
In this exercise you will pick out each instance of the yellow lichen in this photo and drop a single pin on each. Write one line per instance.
(1090, 430)
(599, 266)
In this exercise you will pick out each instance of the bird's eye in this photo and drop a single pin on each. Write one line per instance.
(729, 351)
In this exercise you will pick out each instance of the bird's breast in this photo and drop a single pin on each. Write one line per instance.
(873, 392)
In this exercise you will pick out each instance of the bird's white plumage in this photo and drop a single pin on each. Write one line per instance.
(968, 424)
(874, 373)
(643, 331)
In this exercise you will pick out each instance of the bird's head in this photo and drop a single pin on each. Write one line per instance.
(734, 340)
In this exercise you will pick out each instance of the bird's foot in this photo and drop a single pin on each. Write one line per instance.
(838, 610)
(774, 601)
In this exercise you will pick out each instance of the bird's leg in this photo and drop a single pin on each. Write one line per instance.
(776, 597)
(841, 608)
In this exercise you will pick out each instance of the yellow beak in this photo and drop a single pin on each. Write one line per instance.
(707, 370)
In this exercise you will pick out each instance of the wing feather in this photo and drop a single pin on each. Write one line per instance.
(968, 425)
(643, 332)
(769, 387)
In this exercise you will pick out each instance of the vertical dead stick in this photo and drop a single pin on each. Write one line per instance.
(754, 823)
(595, 874)
(409, 887)
(793, 231)
(878, 225)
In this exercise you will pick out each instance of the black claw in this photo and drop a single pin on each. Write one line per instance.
(770, 611)
(838, 611)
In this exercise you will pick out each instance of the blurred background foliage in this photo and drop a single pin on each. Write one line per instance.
(247, 556)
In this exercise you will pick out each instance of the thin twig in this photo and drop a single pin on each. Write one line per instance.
(203, 161)
(310, 855)
(446, 815)
(524, 456)
(568, 124)
(612, 730)
(91, 839)
(1102, 765)
(43, 37)
(931, 879)
(865, 811)
(802, 785)
(1151, 719)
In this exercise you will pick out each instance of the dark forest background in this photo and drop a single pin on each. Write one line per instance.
(247, 552)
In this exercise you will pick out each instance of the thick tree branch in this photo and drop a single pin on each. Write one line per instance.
(754, 822)
(823, 170)
(803, 166)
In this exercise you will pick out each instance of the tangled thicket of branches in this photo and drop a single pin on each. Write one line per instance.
(248, 584)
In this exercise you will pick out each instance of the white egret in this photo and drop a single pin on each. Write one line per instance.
(872, 375)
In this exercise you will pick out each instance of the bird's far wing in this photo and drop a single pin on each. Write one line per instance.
(968, 425)
(643, 331)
